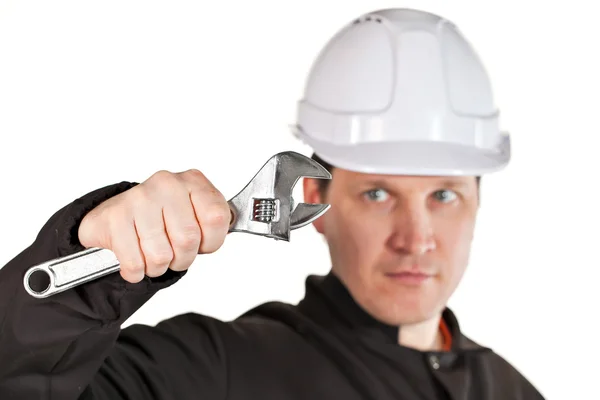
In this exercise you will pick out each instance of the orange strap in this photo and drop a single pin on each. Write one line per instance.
(446, 335)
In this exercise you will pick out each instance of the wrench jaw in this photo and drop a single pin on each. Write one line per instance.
(305, 214)
(264, 206)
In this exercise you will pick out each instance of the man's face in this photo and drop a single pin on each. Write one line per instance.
(399, 243)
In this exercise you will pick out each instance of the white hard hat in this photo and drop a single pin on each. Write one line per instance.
(401, 91)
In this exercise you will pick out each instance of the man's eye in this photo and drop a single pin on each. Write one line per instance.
(377, 195)
(445, 196)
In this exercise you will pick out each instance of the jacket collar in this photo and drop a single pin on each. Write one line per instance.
(328, 302)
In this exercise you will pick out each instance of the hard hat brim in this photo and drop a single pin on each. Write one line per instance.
(413, 157)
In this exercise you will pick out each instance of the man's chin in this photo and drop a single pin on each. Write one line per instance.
(403, 313)
(399, 306)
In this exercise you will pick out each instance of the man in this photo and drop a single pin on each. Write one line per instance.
(399, 108)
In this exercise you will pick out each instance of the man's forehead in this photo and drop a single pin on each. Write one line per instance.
(405, 180)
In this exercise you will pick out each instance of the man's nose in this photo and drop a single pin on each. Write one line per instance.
(413, 230)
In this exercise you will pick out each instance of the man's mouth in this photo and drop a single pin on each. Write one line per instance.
(412, 278)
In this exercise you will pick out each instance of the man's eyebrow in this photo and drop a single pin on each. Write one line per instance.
(452, 184)
(375, 182)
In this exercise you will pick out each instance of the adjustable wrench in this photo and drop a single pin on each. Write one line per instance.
(264, 207)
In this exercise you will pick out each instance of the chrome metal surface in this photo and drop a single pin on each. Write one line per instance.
(264, 207)
(276, 181)
(67, 272)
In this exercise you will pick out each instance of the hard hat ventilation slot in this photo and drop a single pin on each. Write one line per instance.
(367, 19)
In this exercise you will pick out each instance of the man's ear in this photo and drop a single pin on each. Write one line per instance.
(313, 195)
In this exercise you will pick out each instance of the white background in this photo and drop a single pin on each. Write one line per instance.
(92, 93)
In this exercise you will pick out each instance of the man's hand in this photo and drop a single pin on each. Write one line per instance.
(162, 223)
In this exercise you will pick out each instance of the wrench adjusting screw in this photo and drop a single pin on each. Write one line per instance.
(264, 210)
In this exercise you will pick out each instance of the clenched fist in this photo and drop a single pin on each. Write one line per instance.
(162, 223)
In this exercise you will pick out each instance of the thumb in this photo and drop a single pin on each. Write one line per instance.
(91, 232)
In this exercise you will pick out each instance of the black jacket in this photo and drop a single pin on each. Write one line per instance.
(71, 346)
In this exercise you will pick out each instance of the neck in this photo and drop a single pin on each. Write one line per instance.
(423, 336)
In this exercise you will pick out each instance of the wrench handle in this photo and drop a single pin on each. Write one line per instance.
(60, 274)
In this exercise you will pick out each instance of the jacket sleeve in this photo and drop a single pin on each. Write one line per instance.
(71, 346)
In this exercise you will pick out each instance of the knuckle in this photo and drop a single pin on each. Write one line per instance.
(163, 178)
(198, 181)
(133, 266)
(217, 215)
(216, 224)
(158, 257)
(194, 174)
(161, 175)
(142, 195)
(187, 237)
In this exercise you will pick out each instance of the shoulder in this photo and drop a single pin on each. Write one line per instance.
(266, 318)
(272, 316)
(495, 368)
